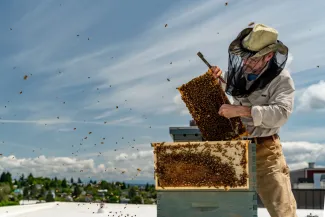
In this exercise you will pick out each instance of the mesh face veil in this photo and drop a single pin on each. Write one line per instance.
(238, 69)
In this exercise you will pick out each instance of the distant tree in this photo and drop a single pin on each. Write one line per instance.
(26, 192)
(3, 177)
(88, 187)
(104, 185)
(113, 199)
(154, 195)
(64, 183)
(41, 193)
(9, 177)
(71, 180)
(76, 191)
(123, 186)
(91, 181)
(22, 178)
(30, 179)
(95, 182)
(147, 187)
(53, 184)
(6, 177)
(136, 200)
(132, 192)
(79, 180)
(49, 197)
(33, 191)
(4, 191)
(47, 185)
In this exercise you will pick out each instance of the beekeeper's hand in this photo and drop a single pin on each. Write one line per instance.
(216, 72)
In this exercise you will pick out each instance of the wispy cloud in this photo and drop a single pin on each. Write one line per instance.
(64, 30)
(130, 120)
(140, 75)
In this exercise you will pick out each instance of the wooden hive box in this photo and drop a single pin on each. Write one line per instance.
(203, 96)
(201, 165)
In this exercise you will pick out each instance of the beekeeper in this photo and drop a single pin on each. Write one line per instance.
(263, 94)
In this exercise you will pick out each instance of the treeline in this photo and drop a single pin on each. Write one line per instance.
(47, 189)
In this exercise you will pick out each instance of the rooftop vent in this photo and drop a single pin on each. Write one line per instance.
(311, 165)
(192, 123)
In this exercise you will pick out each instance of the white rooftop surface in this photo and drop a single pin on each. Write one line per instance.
(61, 209)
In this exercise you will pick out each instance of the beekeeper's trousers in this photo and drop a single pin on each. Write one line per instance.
(273, 180)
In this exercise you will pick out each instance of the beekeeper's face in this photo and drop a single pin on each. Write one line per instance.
(256, 65)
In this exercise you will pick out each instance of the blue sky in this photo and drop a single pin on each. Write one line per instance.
(123, 57)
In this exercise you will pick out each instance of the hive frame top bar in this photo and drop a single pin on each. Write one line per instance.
(154, 144)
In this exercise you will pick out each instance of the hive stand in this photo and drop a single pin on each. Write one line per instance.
(208, 202)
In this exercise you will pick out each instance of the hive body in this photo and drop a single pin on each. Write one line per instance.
(203, 96)
(201, 165)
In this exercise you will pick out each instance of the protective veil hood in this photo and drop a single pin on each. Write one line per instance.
(254, 42)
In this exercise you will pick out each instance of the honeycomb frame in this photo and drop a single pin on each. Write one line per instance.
(203, 96)
(232, 172)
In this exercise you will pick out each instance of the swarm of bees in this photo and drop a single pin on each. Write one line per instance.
(198, 164)
(203, 96)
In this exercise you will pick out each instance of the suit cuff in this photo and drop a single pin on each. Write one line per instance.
(256, 113)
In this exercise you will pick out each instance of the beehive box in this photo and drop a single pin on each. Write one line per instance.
(203, 96)
(206, 204)
(201, 165)
(185, 134)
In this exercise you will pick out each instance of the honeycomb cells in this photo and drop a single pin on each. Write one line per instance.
(203, 97)
(202, 164)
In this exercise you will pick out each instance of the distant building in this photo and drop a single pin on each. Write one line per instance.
(304, 178)
(52, 192)
(18, 191)
(124, 192)
(124, 200)
(88, 198)
(192, 123)
(69, 198)
(322, 181)
(102, 192)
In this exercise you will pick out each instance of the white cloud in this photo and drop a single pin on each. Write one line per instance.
(106, 114)
(312, 98)
(299, 153)
(83, 168)
(122, 157)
